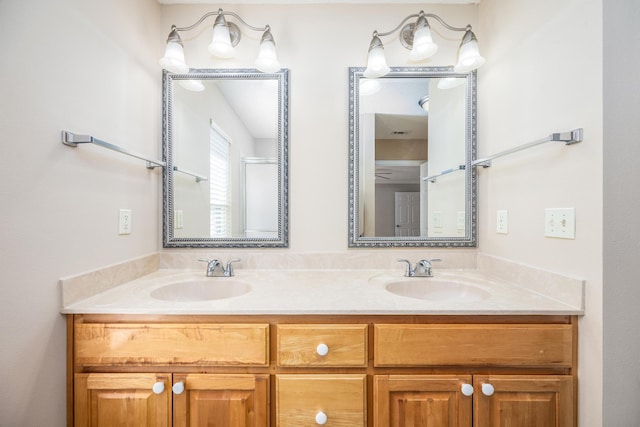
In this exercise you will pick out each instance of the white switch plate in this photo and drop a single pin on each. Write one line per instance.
(502, 222)
(560, 223)
(179, 218)
(124, 225)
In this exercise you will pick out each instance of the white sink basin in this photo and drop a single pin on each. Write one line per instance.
(201, 290)
(437, 290)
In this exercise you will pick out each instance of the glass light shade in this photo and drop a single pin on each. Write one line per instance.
(369, 87)
(469, 57)
(376, 62)
(450, 82)
(267, 60)
(192, 85)
(423, 45)
(221, 42)
(173, 59)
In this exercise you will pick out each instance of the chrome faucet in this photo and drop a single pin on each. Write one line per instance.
(216, 269)
(422, 268)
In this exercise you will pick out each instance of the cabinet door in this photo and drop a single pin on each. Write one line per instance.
(334, 400)
(221, 400)
(123, 400)
(524, 401)
(421, 401)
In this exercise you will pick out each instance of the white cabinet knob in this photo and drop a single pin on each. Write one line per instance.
(158, 387)
(178, 387)
(467, 389)
(322, 350)
(487, 389)
(321, 418)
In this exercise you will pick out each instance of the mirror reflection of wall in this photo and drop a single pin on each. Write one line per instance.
(213, 131)
(409, 127)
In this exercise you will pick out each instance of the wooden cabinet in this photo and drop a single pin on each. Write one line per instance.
(497, 400)
(140, 399)
(340, 371)
(334, 345)
(524, 401)
(421, 400)
(316, 399)
(128, 400)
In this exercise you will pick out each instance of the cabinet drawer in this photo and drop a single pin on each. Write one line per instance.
(301, 398)
(171, 344)
(322, 345)
(474, 345)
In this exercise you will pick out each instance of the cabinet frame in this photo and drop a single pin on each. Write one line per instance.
(271, 368)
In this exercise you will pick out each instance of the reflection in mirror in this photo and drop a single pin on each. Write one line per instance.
(225, 141)
(412, 140)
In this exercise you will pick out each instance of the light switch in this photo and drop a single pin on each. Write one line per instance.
(560, 223)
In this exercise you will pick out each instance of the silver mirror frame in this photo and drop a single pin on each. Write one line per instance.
(282, 240)
(470, 237)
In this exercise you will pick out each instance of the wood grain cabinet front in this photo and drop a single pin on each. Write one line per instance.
(332, 345)
(306, 370)
(155, 400)
(478, 400)
(128, 400)
(317, 399)
(227, 344)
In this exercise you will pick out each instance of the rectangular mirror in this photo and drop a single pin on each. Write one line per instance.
(225, 142)
(412, 138)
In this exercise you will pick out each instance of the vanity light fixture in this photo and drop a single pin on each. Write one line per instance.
(226, 36)
(416, 36)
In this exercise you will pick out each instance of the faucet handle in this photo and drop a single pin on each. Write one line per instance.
(212, 264)
(408, 272)
(425, 264)
(229, 270)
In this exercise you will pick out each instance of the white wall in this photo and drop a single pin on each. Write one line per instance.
(87, 67)
(543, 75)
(621, 206)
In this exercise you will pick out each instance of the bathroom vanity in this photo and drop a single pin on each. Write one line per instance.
(313, 370)
(310, 355)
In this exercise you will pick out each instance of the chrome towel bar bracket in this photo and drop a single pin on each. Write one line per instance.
(71, 139)
(569, 138)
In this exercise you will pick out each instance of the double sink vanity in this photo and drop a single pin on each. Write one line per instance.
(335, 347)
(483, 343)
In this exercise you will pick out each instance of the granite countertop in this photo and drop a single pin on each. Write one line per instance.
(333, 292)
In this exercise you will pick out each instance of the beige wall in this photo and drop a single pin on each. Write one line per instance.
(91, 67)
(544, 75)
(87, 67)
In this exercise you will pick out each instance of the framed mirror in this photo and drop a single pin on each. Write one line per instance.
(412, 138)
(225, 136)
